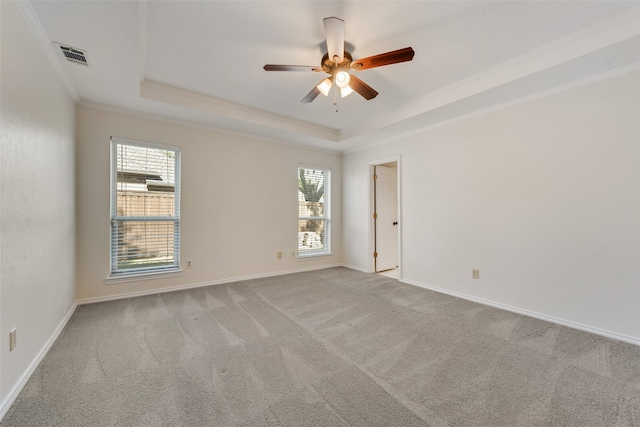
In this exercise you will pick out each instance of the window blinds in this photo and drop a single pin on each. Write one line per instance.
(145, 207)
(313, 211)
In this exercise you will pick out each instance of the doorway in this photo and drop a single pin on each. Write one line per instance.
(385, 214)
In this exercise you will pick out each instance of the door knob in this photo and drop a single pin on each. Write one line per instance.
(395, 222)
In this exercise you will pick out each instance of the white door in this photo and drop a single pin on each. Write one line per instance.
(386, 206)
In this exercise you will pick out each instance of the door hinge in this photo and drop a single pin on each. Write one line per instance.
(375, 216)
(375, 176)
(375, 254)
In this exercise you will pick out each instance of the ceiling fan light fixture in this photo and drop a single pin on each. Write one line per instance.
(338, 63)
(324, 87)
(342, 79)
(345, 91)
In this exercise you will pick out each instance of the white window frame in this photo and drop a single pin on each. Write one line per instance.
(326, 250)
(116, 275)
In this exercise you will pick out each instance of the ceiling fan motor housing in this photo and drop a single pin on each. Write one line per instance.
(331, 67)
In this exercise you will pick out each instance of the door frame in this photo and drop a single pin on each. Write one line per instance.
(372, 227)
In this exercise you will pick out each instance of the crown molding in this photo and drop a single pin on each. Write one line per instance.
(618, 72)
(194, 125)
(597, 36)
(47, 46)
(196, 101)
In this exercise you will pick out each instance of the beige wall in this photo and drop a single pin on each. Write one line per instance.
(543, 198)
(37, 194)
(239, 203)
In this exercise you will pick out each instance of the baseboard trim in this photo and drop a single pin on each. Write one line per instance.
(13, 394)
(556, 320)
(353, 267)
(199, 285)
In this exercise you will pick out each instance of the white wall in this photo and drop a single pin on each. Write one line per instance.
(543, 198)
(239, 203)
(37, 200)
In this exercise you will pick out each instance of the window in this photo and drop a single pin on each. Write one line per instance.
(145, 208)
(313, 211)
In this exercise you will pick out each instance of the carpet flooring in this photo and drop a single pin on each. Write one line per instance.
(332, 347)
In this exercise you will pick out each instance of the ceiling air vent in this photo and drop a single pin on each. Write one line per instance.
(72, 54)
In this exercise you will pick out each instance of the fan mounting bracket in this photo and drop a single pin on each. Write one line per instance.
(330, 67)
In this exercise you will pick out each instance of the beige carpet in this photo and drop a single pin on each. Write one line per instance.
(328, 348)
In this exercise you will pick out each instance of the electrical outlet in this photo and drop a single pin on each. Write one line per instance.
(293, 254)
(475, 274)
(188, 264)
(12, 339)
(279, 255)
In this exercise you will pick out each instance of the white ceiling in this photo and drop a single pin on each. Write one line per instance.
(201, 61)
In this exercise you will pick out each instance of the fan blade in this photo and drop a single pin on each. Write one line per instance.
(362, 88)
(334, 34)
(311, 95)
(393, 57)
(272, 67)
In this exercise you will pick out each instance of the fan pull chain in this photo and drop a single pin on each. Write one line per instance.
(335, 99)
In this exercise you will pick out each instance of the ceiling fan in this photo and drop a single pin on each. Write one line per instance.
(338, 63)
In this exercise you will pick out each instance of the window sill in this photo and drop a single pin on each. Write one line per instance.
(142, 276)
(314, 256)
